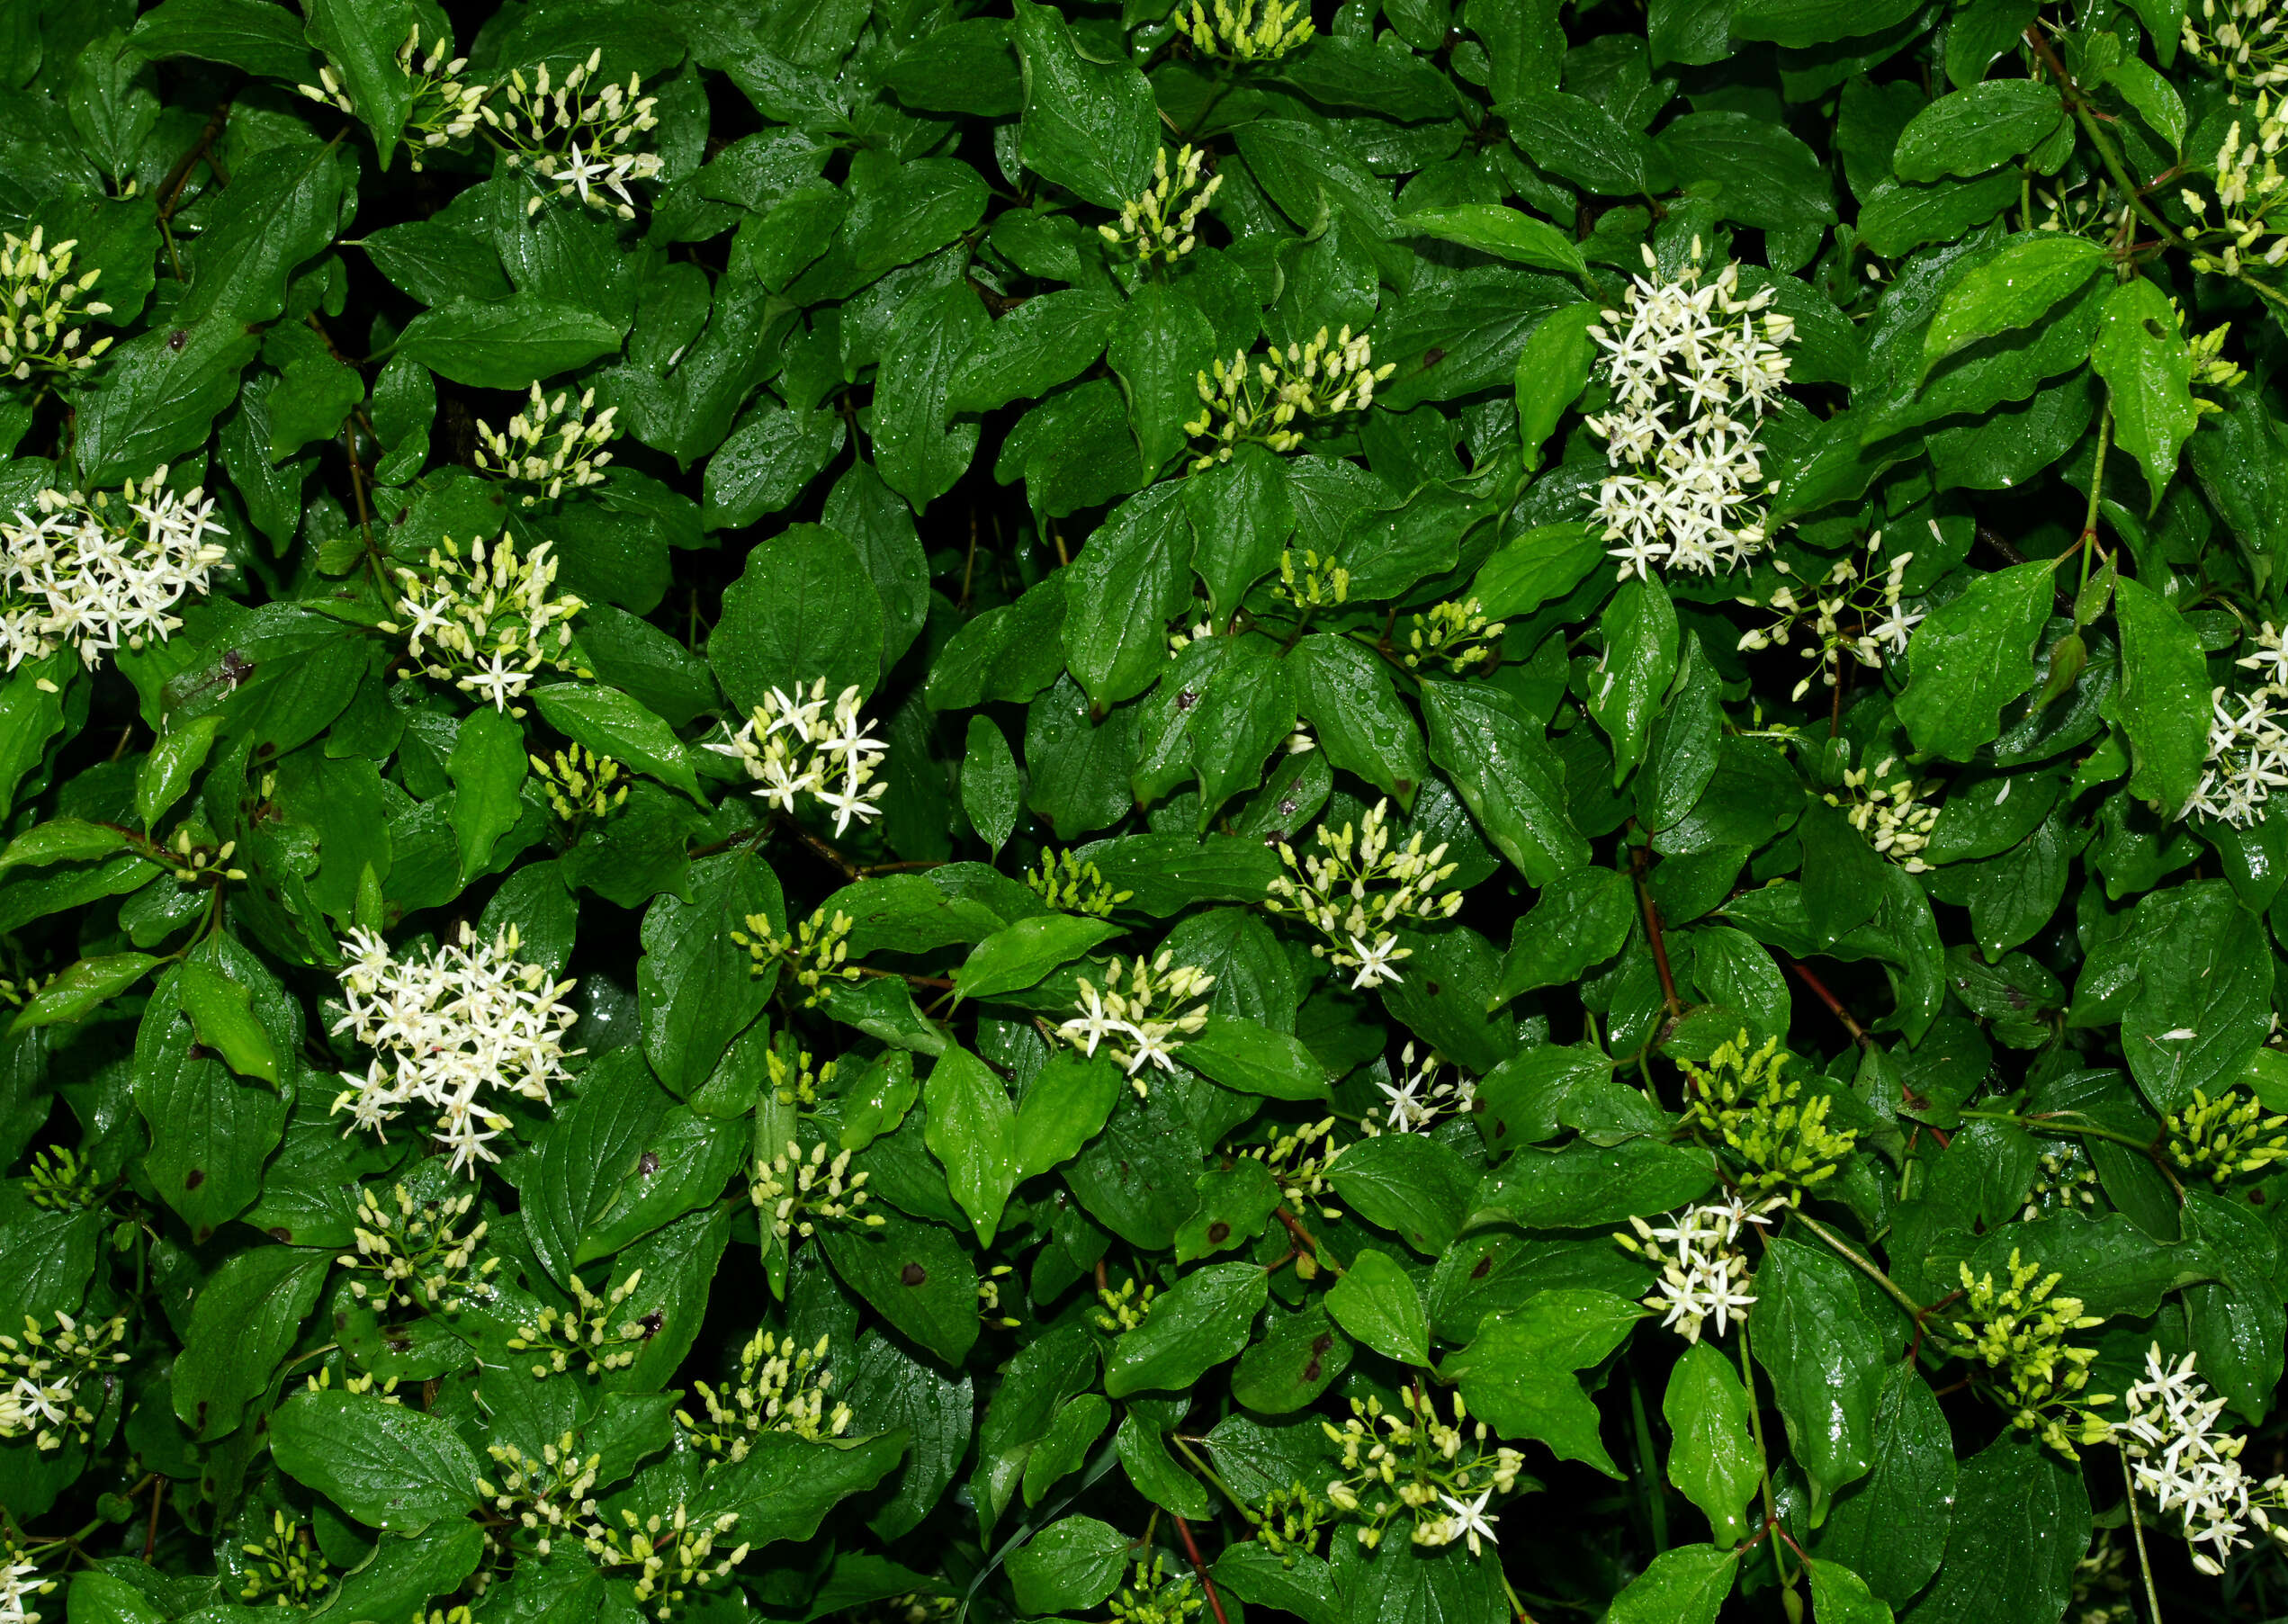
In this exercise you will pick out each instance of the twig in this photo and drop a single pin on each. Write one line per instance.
(850, 870)
(2137, 1533)
(1674, 1004)
(1191, 1550)
(158, 1496)
(1843, 1250)
(1835, 1005)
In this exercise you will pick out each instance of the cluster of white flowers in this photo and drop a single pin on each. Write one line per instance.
(1411, 1461)
(2247, 184)
(1418, 1098)
(1694, 368)
(94, 572)
(20, 1584)
(44, 1371)
(1139, 1026)
(1336, 889)
(446, 1024)
(790, 748)
(2248, 745)
(488, 626)
(1854, 614)
(2191, 1466)
(1159, 224)
(1703, 1270)
(444, 106)
(550, 444)
(542, 1495)
(42, 304)
(1893, 813)
(595, 128)
(2243, 40)
(1319, 378)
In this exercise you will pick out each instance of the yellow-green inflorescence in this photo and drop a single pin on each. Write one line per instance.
(781, 1388)
(579, 784)
(814, 952)
(1777, 1133)
(285, 1566)
(1159, 225)
(1456, 633)
(1066, 882)
(2019, 1331)
(2217, 1139)
(1313, 583)
(1156, 1596)
(1244, 31)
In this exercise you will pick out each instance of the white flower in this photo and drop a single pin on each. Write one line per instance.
(2191, 1468)
(1418, 1099)
(1693, 367)
(446, 1025)
(1469, 1519)
(1703, 1270)
(19, 1583)
(789, 751)
(93, 572)
(2248, 745)
(1138, 1025)
(1374, 966)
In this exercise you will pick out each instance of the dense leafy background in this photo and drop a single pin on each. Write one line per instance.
(894, 414)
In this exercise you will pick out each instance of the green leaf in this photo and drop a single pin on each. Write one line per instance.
(610, 724)
(1065, 1106)
(1825, 1338)
(389, 1466)
(1029, 351)
(972, 1132)
(506, 344)
(1414, 1187)
(1509, 233)
(1538, 565)
(1088, 126)
(1235, 1202)
(992, 790)
(79, 988)
(2021, 1524)
(1891, 1525)
(2148, 368)
(1576, 139)
(62, 840)
(1840, 1596)
(1128, 582)
(697, 989)
(785, 1485)
(1506, 773)
(224, 1019)
(917, 1276)
(1069, 1567)
(1973, 129)
(1160, 346)
(1243, 512)
(1577, 922)
(1375, 1302)
(251, 34)
(919, 454)
(1586, 1185)
(1019, 955)
(1684, 1584)
(2190, 980)
(1518, 1374)
(1196, 1326)
(801, 612)
(1639, 660)
(1972, 657)
(2013, 289)
(166, 772)
(2163, 699)
(1347, 696)
(243, 1324)
(1250, 1058)
(1712, 1458)
(769, 462)
(360, 37)
(1553, 368)
(487, 770)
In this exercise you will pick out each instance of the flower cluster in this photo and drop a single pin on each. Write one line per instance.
(815, 952)
(1290, 1520)
(1749, 1105)
(550, 444)
(1313, 584)
(2065, 1179)
(1244, 31)
(2240, 38)
(1321, 379)
(595, 129)
(989, 1298)
(1456, 633)
(200, 861)
(1136, 1025)
(1854, 614)
(2246, 181)
(1412, 1461)
(781, 1389)
(796, 1192)
(671, 1555)
(443, 107)
(1155, 1596)
(2191, 1466)
(2216, 1139)
(490, 625)
(1337, 891)
(421, 1258)
(61, 1179)
(1127, 1308)
(797, 1082)
(584, 1332)
(2020, 1330)
(579, 784)
(1894, 816)
(445, 1024)
(1693, 367)
(285, 1564)
(40, 304)
(542, 1496)
(791, 748)
(45, 1370)
(1418, 1098)
(1066, 882)
(1703, 1268)
(2247, 744)
(90, 573)
(1299, 1161)
(20, 1581)
(1159, 224)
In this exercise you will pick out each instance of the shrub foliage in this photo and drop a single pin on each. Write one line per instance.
(965, 810)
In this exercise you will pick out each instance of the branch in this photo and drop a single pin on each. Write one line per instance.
(1191, 1550)
(1835, 1005)
(1674, 1004)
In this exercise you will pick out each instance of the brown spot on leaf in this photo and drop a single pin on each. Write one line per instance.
(652, 1322)
(177, 340)
(1431, 357)
(1483, 1267)
(280, 1232)
(649, 1164)
(912, 1274)
(1218, 1232)
(195, 1177)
